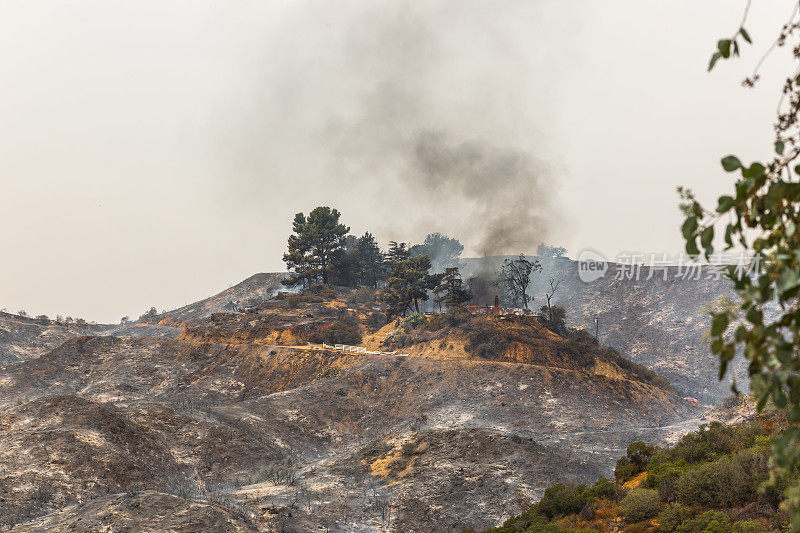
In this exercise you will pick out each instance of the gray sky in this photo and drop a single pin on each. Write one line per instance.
(153, 153)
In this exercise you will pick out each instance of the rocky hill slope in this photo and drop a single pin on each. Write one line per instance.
(23, 337)
(661, 324)
(238, 414)
(252, 291)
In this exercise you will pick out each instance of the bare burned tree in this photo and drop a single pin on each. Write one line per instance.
(514, 278)
(307, 497)
(549, 296)
(378, 502)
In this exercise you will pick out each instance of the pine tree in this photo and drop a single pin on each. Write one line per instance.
(316, 245)
(450, 290)
(297, 256)
(409, 283)
(397, 252)
(370, 259)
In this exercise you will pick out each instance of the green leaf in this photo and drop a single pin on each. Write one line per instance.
(725, 203)
(689, 227)
(756, 169)
(779, 146)
(754, 316)
(707, 237)
(728, 232)
(691, 247)
(784, 353)
(745, 35)
(718, 324)
(731, 163)
(724, 47)
(714, 58)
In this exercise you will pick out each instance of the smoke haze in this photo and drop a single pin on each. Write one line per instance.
(423, 115)
(155, 152)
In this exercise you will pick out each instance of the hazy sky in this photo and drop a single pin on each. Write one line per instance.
(153, 153)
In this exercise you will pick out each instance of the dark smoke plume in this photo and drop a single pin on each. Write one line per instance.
(417, 117)
(510, 197)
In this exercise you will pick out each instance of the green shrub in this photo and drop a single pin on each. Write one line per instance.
(729, 481)
(528, 522)
(640, 453)
(362, 295)
(412, 322)
(708, 522)
(625, 470)
(635, 461)
(560, 500)
(345, 330)
(659, 471)
(640, 504)
(713, 441)
(748, 526)
(672, 516)
(664, 478)
(604, 488)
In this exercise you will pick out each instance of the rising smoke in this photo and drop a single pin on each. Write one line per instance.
(433, 115)
(507, 189)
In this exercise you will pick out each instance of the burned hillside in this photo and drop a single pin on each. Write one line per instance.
(248, 409)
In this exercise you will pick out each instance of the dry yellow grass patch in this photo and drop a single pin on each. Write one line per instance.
(635, 482)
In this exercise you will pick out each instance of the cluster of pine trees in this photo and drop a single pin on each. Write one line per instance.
(321, 250)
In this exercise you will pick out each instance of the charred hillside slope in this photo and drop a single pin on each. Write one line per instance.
(659, 323)
(238, 413)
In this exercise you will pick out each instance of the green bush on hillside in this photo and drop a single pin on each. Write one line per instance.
(635, 461)
(640, 504)
(717, 468)
(729, 481)
(527, 522)
(673, 515)
(748, 526)
(604, 488)
(345, 330)
(561, 499)
(412, 322)
(708, 522)
(712, 441)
